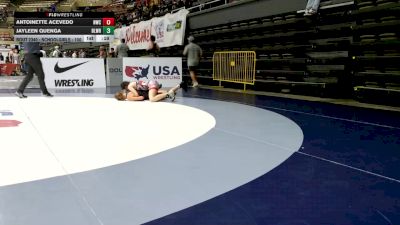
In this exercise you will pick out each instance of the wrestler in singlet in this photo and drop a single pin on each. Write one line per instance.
(143, 88)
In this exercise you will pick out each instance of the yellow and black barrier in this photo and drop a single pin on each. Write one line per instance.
(235, 66)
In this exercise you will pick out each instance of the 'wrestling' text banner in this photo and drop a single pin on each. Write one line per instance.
(74, 72)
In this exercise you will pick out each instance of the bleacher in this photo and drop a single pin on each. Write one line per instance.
(296, 54)
(376, 51)
(6, 36)
(33, 5)
(116, 6)
(4, 3)
(349, 49)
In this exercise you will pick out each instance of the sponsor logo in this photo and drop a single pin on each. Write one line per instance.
(58, 69)
(174, 26)
(165, 70)
(6, 113)
(74, 83)
(159, 72)
(159, 27)
(115, 70)
(9, 123)
(137, 72)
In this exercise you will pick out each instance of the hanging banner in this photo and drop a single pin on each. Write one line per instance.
(166, 70)
(169, 30)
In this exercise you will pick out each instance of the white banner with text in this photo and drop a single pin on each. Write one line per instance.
(74, 72)
(169, 30)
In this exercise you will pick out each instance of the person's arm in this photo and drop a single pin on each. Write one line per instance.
(150, 46)
(132, 97)
(131, 88)
(185, 50)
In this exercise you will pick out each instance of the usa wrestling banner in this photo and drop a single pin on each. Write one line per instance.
(166, 70)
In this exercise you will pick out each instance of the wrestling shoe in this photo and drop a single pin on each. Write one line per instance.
(184, 86)
(171, 95)
(47, 94)
(20, 94)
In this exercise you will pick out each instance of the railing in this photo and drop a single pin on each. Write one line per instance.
(235, 66)
(201, 6)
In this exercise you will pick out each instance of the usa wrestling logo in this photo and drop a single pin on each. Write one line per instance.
(137, 72)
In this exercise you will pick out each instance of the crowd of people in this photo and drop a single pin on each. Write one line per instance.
(136, 10)
(4, 13)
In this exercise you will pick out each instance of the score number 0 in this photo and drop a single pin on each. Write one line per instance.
(108, 22)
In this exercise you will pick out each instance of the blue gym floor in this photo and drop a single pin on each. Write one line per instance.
(346, 172)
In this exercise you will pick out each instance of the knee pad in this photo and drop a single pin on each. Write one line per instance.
(153, 84)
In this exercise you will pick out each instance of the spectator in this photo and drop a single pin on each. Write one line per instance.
(56, 53)
(53, 7)
(11, 55)
(43, 52)
(111, 54)
(153, 49)
(15, 57)
(82, 53)
(194, 53)
(122, 49)
(102, 52)
(311, 7)
(75, 54)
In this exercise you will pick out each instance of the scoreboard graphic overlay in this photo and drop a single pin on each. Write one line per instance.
(64, 26)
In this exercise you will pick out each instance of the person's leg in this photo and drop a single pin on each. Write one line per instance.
(154, 96)
(174, 89)
(315, 6)
(192, 72)
(37, 67)
(28, 77)
(309, 4)
(172, 92)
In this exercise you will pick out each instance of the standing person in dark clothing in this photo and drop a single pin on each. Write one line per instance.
(32, 60)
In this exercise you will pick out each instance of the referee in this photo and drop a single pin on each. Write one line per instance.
(32, 60)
